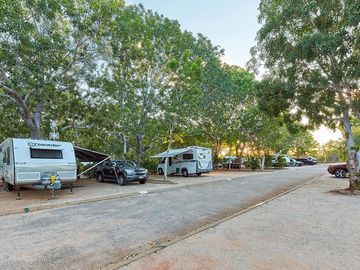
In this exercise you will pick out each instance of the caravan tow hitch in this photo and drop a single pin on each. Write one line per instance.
(51, 182)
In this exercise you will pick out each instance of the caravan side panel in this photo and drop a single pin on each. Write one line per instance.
(35, 158)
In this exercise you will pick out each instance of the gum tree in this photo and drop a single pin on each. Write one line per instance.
(311, 52)
(45, 46)
(144, 62)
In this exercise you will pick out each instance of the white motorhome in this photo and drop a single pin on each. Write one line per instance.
(37, 162)
(192, 160)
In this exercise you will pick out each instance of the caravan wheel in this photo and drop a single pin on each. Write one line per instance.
(7, 186)
(185, 172)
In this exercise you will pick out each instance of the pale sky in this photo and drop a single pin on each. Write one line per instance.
(231, 24)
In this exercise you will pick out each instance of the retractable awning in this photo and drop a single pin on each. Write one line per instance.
(171, 153)
(87, 155)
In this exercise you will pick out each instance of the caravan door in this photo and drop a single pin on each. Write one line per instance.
(7, 160)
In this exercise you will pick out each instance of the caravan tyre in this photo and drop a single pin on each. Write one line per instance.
(160, 171)
(185, 172)
(198, 174)
(99, 178)
(7, 186)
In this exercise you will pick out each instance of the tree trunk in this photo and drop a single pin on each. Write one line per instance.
(33, 128)
(216, 152)
(240, 157)
(167, 158)
(139, 148)
(35, 133)
(263, 162)
(350, 142)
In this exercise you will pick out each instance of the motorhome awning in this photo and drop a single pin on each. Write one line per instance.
(171, 153)
(86, 155)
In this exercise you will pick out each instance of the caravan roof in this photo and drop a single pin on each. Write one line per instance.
(175, 152)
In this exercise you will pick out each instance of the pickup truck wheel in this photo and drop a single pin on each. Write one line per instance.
(185, 172)
(99, 178)
(160, 171)
(340, 173)
(142, 181)
(121, 180)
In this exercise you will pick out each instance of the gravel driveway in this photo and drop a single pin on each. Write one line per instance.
(309, 228)
(93, 235)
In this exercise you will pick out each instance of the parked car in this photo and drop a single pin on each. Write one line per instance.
(295, 163)
(307, 160)
(274, 160)
(121, 171)
(340, 170)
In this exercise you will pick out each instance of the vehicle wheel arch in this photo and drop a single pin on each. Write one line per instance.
(340, 172)
(184, 171)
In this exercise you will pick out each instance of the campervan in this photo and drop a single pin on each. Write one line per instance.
(37, 162)
(192, 160)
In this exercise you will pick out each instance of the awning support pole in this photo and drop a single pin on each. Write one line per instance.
(93, 166)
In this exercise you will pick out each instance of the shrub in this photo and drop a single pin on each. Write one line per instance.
(150, 164)
(357, 182)
(281, 162)
(268, 161)
(253, 163)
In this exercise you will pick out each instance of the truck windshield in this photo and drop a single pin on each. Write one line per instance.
(46, 153)
(127, 163)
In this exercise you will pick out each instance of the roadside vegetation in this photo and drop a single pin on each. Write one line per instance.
(115, 75)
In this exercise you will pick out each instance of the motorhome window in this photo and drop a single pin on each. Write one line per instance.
(46, 153)
(4, 157)
(188, 156)
(7, 156)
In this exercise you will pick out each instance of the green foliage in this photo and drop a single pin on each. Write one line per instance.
(357, 182)
(333, 151)
(310, 49)
(311, 52)
(268, 161)
(150, 164)
(45, 49)
(104, 70)
(281, 162)
(252, 162)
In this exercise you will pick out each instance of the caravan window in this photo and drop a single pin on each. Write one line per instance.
(188, 156)
(6, 157)
(46, 153)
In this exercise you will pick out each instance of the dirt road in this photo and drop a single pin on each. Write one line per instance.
(309, 228)
(96, 235)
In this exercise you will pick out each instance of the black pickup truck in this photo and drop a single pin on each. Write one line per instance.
(121, 171)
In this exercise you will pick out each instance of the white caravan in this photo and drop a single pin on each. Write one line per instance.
(190, 160)
(37, 162)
